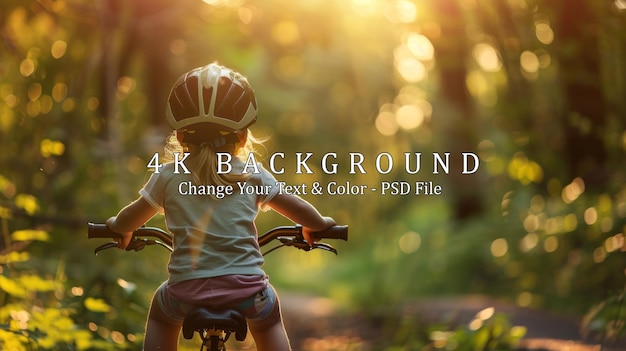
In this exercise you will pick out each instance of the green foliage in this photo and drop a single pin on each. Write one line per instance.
(488, 331)
(606, 321)
(40, 310)
(37, 313)
(81, 104)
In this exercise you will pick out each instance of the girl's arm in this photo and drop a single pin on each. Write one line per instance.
(129, 219)
(302, 212)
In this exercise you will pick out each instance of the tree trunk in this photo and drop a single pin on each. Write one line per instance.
(458, 130)
(577, 40)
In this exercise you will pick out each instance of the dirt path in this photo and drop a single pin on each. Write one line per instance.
(318, 324)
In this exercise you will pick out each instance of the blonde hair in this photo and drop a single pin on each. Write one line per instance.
(202, 160)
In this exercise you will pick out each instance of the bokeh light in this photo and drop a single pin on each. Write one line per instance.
(487, 57)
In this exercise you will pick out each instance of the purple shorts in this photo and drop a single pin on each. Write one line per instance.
(255, 308)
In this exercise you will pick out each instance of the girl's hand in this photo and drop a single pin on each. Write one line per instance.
(308, 232)
(123, 240)
(129, 219)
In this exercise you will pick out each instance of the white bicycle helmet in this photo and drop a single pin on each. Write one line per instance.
(210, 102)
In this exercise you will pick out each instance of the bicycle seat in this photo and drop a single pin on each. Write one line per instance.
(203, 318)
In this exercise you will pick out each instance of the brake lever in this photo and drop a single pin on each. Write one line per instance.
(137, 244)
(304, 245)
(110, 245)
(325, 247)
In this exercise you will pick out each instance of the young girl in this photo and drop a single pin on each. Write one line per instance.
(216, 260)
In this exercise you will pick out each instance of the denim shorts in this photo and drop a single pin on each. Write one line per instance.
(256, 308)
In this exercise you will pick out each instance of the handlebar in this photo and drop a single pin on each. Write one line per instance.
(334, 232)
(287, 235)
(101, 231)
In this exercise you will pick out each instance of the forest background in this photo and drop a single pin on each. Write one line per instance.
(536, 88)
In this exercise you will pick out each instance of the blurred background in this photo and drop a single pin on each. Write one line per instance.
(536, 88)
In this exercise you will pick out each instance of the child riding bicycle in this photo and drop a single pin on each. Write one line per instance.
(216, 260)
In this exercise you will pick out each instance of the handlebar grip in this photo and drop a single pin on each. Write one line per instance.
(100, 230)
(334, 232)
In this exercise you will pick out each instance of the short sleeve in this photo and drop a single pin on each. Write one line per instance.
(154, 192)
(269, 182)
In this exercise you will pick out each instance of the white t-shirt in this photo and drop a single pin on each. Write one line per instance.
(212, 237)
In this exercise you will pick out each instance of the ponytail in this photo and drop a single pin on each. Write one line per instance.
(203, 167)
(202, 162)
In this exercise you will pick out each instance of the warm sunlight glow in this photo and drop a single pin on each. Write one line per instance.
(614, 243)
(93, 103)
(551, 244)
(386, 123)
(27, 67)
(289, 67)
(413, 95)
(77, 291)
(126, 84)
(411, 69)
(34, 91)
(480, 87)
(409, 117)
(365, 7)
(49, 147)
(285, 32)
(410, 242)
(486, 313)
(117, 337)
(529, 62)
(487, 57)
(529, 242)
(421, 47)
(448, 135)
(544, 33)
(123, 283)
(544, 58)
(599, 255)
(58, 49)
(59, 92)
(531, 223)
(401, 11)
(590, 216)
(524, 170)
(499, 247)
(573, 190)
(232, 3)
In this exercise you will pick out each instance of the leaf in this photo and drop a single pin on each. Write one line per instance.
(30, 234)
(35, 283)
(49, 147)
(27, 202)
(12, 287)
(96, 305)
(14, 256)
(517, 332)
(83, 339)
(12, 341)
(481, 337)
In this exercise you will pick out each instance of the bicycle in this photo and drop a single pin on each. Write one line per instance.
(216, 326)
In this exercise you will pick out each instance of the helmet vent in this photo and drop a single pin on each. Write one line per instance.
(233, 103)
(206, 97)
(184, 99)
